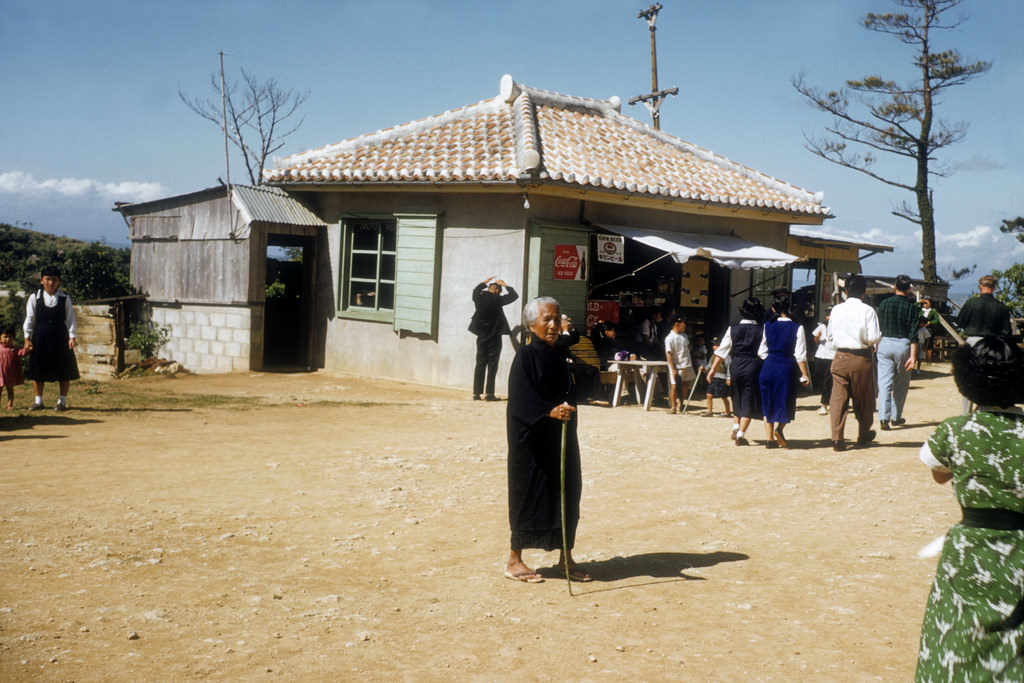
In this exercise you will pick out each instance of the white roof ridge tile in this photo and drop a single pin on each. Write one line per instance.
(527, 143)
(383, 134)
(540, 96)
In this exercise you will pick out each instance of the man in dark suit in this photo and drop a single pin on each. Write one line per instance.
(489, 325)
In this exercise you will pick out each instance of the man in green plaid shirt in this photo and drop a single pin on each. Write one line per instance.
(897, 318)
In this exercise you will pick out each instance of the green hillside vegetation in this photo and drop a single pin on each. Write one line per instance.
(90, 270)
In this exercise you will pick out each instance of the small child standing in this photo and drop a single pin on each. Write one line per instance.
(720, 385)
(680, 365)
(823, 356)
(10, 364)
(700, 352)
(50, 336)
(924, 336)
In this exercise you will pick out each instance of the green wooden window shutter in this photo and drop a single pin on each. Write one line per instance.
(417, 274)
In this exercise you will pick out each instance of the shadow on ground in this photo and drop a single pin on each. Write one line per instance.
(21, 425)
(116, 409)
(650, 565)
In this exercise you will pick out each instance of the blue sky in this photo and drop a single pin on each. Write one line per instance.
(92, 115)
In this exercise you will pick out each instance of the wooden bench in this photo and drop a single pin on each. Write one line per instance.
(584, 351)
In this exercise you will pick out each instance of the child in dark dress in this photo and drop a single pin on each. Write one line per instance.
(50, 336)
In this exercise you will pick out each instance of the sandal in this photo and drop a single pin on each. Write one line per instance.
(575, 574)
(525, 577)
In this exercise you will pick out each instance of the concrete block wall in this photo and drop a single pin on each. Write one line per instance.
(207, 338)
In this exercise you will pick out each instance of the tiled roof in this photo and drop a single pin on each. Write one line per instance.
(541, 137)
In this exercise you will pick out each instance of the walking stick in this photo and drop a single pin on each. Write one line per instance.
(565, 533)
(693, 389)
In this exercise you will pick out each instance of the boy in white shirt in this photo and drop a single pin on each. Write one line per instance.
(719, 386)
(680, 365)
(823, 356)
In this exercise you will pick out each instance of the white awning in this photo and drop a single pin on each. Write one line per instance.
(729, 251)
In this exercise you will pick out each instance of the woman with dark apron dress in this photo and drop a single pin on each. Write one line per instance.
(50, 336)
(742, 341)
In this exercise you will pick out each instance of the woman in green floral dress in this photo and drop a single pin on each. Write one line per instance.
(974, 622)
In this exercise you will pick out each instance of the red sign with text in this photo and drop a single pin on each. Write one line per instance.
(570, 262)
(597, 309)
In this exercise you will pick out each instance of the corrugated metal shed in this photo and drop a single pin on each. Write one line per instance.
(205, 247)
(271, 205)
(198, 216)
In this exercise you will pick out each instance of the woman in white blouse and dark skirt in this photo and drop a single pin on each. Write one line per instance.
(50, 336)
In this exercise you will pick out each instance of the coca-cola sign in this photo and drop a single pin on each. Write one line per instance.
(567, 261)
(570, 262)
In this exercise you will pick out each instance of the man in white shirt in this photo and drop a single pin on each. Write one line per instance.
(853, 331)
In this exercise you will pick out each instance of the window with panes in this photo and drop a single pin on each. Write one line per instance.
(371, 247)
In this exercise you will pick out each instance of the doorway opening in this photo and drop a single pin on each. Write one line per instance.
(288, 311)
(806, 293)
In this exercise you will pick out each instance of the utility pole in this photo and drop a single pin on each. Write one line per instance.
(652, 100)
(224, 119)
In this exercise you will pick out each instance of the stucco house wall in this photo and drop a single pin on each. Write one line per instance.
(483, 235)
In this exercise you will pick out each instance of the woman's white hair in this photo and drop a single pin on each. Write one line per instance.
(532, 309)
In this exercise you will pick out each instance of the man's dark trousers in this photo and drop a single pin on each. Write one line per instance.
(488, 351)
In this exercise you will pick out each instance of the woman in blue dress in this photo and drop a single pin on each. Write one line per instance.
(784, 351)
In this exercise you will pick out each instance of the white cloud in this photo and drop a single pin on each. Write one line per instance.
(978, 236)
(980, 163)
(878, 236)
(19, 182)
(982, 246)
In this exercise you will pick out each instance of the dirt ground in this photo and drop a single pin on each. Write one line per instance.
(329, 527)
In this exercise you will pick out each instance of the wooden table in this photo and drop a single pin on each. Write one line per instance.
(636, 371)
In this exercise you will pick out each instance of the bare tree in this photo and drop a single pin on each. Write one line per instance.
(882, 115)
(256, 116)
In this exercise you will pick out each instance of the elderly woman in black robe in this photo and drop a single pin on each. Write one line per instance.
(540, 401)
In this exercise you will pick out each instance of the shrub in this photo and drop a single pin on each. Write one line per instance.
(97, 271)
(147, 337)
(275, 290)
(12, 313)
